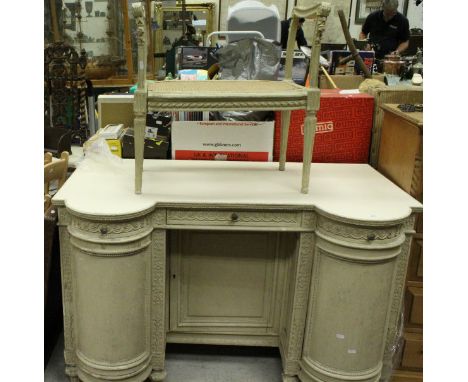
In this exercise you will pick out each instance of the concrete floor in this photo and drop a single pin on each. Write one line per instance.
(192, 363)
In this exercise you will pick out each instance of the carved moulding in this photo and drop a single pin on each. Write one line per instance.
(225, 105)
(398, 294)
(291, 349)
(102, 228)
(158, 304)
(219, 216)
(67, 299)
(350, 233)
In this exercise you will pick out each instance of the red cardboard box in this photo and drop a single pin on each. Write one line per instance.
(343, 135)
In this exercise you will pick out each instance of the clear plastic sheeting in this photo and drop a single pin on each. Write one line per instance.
(392, 360)
(98, 153)
(250, 59)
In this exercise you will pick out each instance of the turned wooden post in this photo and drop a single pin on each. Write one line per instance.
(139, 106)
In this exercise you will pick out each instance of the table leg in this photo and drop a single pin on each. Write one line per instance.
(310, 124)
(158, 376)
(139, 146)
(285, 119)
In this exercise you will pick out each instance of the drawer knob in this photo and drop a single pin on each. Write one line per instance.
(371, 236)
(234, 217)
(103, 230)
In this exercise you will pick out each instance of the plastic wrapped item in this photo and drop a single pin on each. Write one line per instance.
(250, 59)
(394, 353)
(254, 15)
(97, 153)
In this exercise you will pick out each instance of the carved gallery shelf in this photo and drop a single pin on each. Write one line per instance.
(230, 253)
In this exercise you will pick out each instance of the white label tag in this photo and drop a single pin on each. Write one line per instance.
(352, 351)
(340, 336)
(142, 65)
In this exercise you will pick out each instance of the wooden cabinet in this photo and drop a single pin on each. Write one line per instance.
(401, 160)
(321, 276)
(401, 149)
(414, 298)
(388, 95)
(412, 357)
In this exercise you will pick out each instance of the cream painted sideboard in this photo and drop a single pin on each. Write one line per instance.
(231, 253)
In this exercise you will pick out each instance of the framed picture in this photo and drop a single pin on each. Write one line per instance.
(365, 7)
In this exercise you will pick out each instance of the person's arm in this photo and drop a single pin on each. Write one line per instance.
(300, 38)
(403, 38)
(365, 29)
(402, 47)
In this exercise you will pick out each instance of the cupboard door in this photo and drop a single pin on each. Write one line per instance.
(224, 282)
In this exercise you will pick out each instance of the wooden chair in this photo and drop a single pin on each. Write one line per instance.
(56, 170)
(47, 158)
(235, 95)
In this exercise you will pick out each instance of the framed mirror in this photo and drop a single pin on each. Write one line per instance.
(168, 26)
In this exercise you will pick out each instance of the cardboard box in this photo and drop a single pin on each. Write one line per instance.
(158, 125)
(154, 148)
(346, 81)
(223, 140)
(115, 146)
(351, 67)
(115, 109)
(343, 134)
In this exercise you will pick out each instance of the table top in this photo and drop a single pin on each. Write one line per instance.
(353, 191)
(412, 117)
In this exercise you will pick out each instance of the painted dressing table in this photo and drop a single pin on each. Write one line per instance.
(232, 253)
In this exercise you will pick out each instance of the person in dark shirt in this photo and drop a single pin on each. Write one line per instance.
(388, 30)
(300, 39)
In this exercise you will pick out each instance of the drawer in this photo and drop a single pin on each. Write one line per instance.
(414, 306)
(231, 218)
(412, 357)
